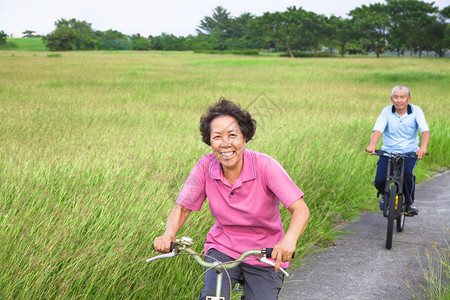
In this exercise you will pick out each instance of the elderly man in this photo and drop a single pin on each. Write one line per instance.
(399, 124)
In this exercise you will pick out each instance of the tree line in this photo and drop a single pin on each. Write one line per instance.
(401, 26)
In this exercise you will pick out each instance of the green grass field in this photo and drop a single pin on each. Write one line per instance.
(95, 147)
(24, 44)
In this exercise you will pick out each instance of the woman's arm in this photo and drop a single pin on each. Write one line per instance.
(284, 249)
(175, 221)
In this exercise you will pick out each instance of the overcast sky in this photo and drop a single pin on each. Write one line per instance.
(151, 17)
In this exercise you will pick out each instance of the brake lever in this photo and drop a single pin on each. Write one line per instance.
(174, 248)
(167, 255)
(271, 263)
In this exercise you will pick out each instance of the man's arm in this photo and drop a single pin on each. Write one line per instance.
(284, 249)
(374, 141)
(175, 221)
(423, 144)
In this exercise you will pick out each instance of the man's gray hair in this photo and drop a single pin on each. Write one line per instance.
(401, 87)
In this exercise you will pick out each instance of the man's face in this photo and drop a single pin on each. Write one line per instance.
(227, 141)
(400, 99)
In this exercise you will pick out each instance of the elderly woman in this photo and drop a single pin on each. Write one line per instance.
(243, 189)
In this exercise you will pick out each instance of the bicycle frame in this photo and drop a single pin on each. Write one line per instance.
(397, 163)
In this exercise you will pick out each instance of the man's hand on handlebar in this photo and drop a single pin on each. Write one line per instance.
(371, 149)
(421, 153)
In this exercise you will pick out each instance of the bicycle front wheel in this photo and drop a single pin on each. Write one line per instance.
(391, 208)
(400, 214)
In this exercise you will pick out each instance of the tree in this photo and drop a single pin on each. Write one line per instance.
(61, 39)
(29, 34)
(436, 40)
(71, 35)
(218, 25)
(155, 42)
(372, 24)
(439, 33)
(198, 42)
(139, 42)
(344, 32)
(444, 17)
(284, 27)
(238, 32)
(259, 36)
(410, 22)
(112, 40)
(171, 42)
(3, 37)
(168, 42)
(315, 29)
(86, 35)
(329, 39)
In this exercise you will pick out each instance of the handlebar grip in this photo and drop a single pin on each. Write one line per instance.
(269, 253)
(173, 246)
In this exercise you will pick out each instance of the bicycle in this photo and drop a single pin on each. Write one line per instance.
(393, 193)
(184, 244)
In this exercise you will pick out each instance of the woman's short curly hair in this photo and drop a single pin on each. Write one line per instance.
(226, 107)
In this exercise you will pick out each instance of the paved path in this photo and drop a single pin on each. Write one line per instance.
(360, 267)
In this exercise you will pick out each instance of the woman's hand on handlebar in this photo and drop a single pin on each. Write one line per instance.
(175, 221)
(282, 252)
(162, 243)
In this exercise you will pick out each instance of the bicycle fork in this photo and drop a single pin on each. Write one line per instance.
(394, 176)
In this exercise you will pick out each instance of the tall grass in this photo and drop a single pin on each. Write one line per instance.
(96, 146)
(435, 273)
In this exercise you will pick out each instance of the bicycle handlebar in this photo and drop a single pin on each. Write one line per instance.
(184, 243)
(268, 251)
(382, 152)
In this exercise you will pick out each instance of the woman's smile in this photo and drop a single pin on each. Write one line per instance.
(228, 154)
(227, 142)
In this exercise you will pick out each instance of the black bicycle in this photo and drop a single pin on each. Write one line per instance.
(394, 204)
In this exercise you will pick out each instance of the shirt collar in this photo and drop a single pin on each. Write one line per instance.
(409, 109)
(248, 170)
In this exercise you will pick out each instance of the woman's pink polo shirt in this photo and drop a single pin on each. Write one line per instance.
(247, 213)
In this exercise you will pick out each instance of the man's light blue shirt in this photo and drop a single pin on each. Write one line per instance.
(400, 134)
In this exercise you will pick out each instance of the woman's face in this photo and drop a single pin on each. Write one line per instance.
(227, 142)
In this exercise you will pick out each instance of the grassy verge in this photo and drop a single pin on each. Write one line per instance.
(436, 273)
(95, 147)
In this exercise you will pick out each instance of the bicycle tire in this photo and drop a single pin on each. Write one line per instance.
(385, 208)
(401, 214)
(390, 227)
